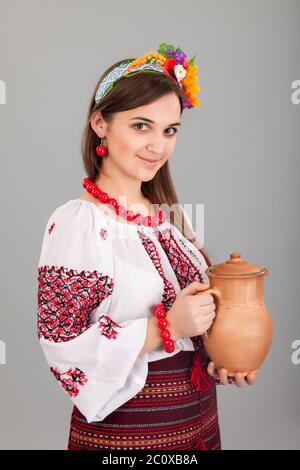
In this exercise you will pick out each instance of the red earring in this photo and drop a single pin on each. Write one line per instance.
(101, 150)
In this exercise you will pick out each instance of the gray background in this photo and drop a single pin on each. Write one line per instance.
(238, 154)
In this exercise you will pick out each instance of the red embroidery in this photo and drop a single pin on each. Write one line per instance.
(169, 294)
(103, 234)
(107, 326)
(51, 228)
(66, 298)
(70, 383)
(186, 272)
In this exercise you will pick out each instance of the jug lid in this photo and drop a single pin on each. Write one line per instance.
(235, 267)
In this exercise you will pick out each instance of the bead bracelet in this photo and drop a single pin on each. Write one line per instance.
(160, 314)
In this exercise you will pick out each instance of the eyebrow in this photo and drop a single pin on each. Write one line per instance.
(150, 120)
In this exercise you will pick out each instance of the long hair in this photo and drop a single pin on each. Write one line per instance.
(128, 93)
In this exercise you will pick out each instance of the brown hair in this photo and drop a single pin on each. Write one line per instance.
(128, 93)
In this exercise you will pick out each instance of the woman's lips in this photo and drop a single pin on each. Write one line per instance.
(148, 162)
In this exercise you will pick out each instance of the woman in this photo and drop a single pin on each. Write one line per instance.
(119, 320)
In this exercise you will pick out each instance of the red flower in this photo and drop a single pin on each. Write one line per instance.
(75, 377)
(107, 325)
(70, 387)
(169, 68)
(52, 322)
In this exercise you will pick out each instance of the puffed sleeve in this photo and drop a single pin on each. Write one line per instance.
(94, 359)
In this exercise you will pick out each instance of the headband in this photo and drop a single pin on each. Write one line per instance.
(167, 60)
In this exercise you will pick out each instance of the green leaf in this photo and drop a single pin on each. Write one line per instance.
(162, 49)
(192, 60)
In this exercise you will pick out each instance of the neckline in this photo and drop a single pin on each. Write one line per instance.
(120, 222)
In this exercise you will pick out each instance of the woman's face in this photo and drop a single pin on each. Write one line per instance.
(147, 132)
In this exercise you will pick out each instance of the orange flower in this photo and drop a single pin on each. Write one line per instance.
(190, 85)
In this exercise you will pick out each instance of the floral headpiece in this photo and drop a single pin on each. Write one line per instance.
(167, 60)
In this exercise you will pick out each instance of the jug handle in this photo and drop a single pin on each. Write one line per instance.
(212, 291)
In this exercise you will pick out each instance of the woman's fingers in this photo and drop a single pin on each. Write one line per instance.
(211, 370)
(223, 376)
(239, 379)
(220, 375)
(251, 379)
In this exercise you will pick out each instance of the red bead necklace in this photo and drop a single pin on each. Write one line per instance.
(138, 218)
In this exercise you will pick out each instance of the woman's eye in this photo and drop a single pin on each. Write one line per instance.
(174, 129)
(144, 124)
(140, 124)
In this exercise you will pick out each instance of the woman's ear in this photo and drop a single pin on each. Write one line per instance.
(98, 124)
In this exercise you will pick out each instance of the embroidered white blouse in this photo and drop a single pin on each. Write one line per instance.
(99, 280)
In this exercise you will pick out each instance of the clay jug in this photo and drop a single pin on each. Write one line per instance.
(241, 333)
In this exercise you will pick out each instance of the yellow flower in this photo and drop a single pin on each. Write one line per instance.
(190, 85)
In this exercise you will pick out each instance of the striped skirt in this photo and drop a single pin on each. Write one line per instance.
(168, 413)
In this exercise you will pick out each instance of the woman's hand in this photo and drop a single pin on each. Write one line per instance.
(191, 314)
(221, 376)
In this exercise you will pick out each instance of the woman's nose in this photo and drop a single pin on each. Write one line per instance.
(156, 147)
